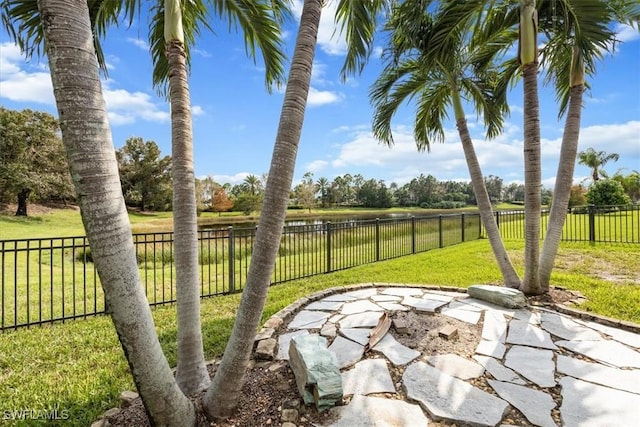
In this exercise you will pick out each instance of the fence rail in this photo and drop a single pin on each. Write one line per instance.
(54, 279)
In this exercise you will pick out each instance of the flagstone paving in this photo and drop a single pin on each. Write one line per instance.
(549, 366)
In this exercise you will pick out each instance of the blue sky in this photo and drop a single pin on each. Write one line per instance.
(235, 119)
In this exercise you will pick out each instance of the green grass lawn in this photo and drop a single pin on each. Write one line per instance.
(79, 366)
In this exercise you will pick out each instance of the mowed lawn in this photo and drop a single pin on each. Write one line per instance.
(78, 367)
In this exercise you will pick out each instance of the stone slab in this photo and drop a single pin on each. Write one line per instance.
(524, 333)
(283, 343)
(362, 293)
(567, 329)
(457, 304)
(329, 330)
(535, 405)
(403, 292)
(385, 298)
(361, 306)
(359, 335)
(365, 411)
(368, 376)
(494, 327)
(421, 304)
(586, 404)
(397, 353)
(436, 296)
(393, 306)
(347, 352)
(609, 352)
(324, 305)
(448, 398)
(625, 380)
(534, 364)
(631, 339)
(360, 320)
(499, 371)
(266, 349)
(456, 366)
(499, 295)
(491, 348)
(339, 298)
(307, 319)
(468, 316)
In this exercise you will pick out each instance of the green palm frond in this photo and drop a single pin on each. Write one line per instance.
(358, 19)
(431, 112)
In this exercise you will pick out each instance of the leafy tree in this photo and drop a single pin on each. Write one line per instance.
(494, 187)
(607, 192)
(630, 183)
(514, 192)
(596, 160)
(145, 175)
(578, 196)
(305, 192)
(220, 202)
(32, 161)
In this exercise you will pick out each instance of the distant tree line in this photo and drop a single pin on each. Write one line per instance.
(33, 168)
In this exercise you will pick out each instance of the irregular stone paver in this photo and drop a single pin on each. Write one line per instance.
(366, 377)
(329, 330)
(360, 320)
(392, 306)
(534, 364)
(397, 353)
(347, 352)
(468, 316)
(446, 397)
(491, 348)
(524, 333)
(309, 320)
(420, 304)
(499, 371)
(359, 335)
(625, 337)
(324, 305)
(437, 296)
(456, 366)
(335, 318)
(385, 298)
(494, 327)
(403, 292)
(362, 293)
(364, 411)
(464, 306)
(484, 305)
(283, 343)
(528, 316)
(567, 329)
(340, 297)
(586, 404)
(535, 405)
(625, 380)
(610, 352)
(359, 307)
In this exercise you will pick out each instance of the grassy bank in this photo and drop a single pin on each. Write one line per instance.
(79, 366)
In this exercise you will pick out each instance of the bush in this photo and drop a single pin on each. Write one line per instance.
(607, 192)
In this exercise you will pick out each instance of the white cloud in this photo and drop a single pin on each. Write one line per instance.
(322, 97)
(232, 179)
(138, 43)
(201, 52)
(626, 33)
(316, 166)
(197, 110)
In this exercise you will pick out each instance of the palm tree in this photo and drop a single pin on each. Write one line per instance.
(222, 397)
(596, 160)
(323, 188)
(440, 81)
(253, 185)
(68, 36)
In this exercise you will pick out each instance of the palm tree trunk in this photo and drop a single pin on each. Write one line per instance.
(91, 156)
(562, 190)
(509, 274)
(222, 397)
(532, 165)
(192, 375)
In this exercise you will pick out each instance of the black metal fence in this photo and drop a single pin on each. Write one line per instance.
(54, 279)
(596, 224)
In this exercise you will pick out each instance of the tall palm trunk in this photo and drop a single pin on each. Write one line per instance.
(532, 165)
(191, 375)
(509, 274)
(564, 176)
(91, 156)
(222, 397)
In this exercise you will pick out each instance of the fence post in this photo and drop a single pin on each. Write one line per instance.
(440, 239)
(328, 246)
(592, 223)
(462, 225)
(498, 219)
(377, 239)
(413, 234)
(232, 281)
